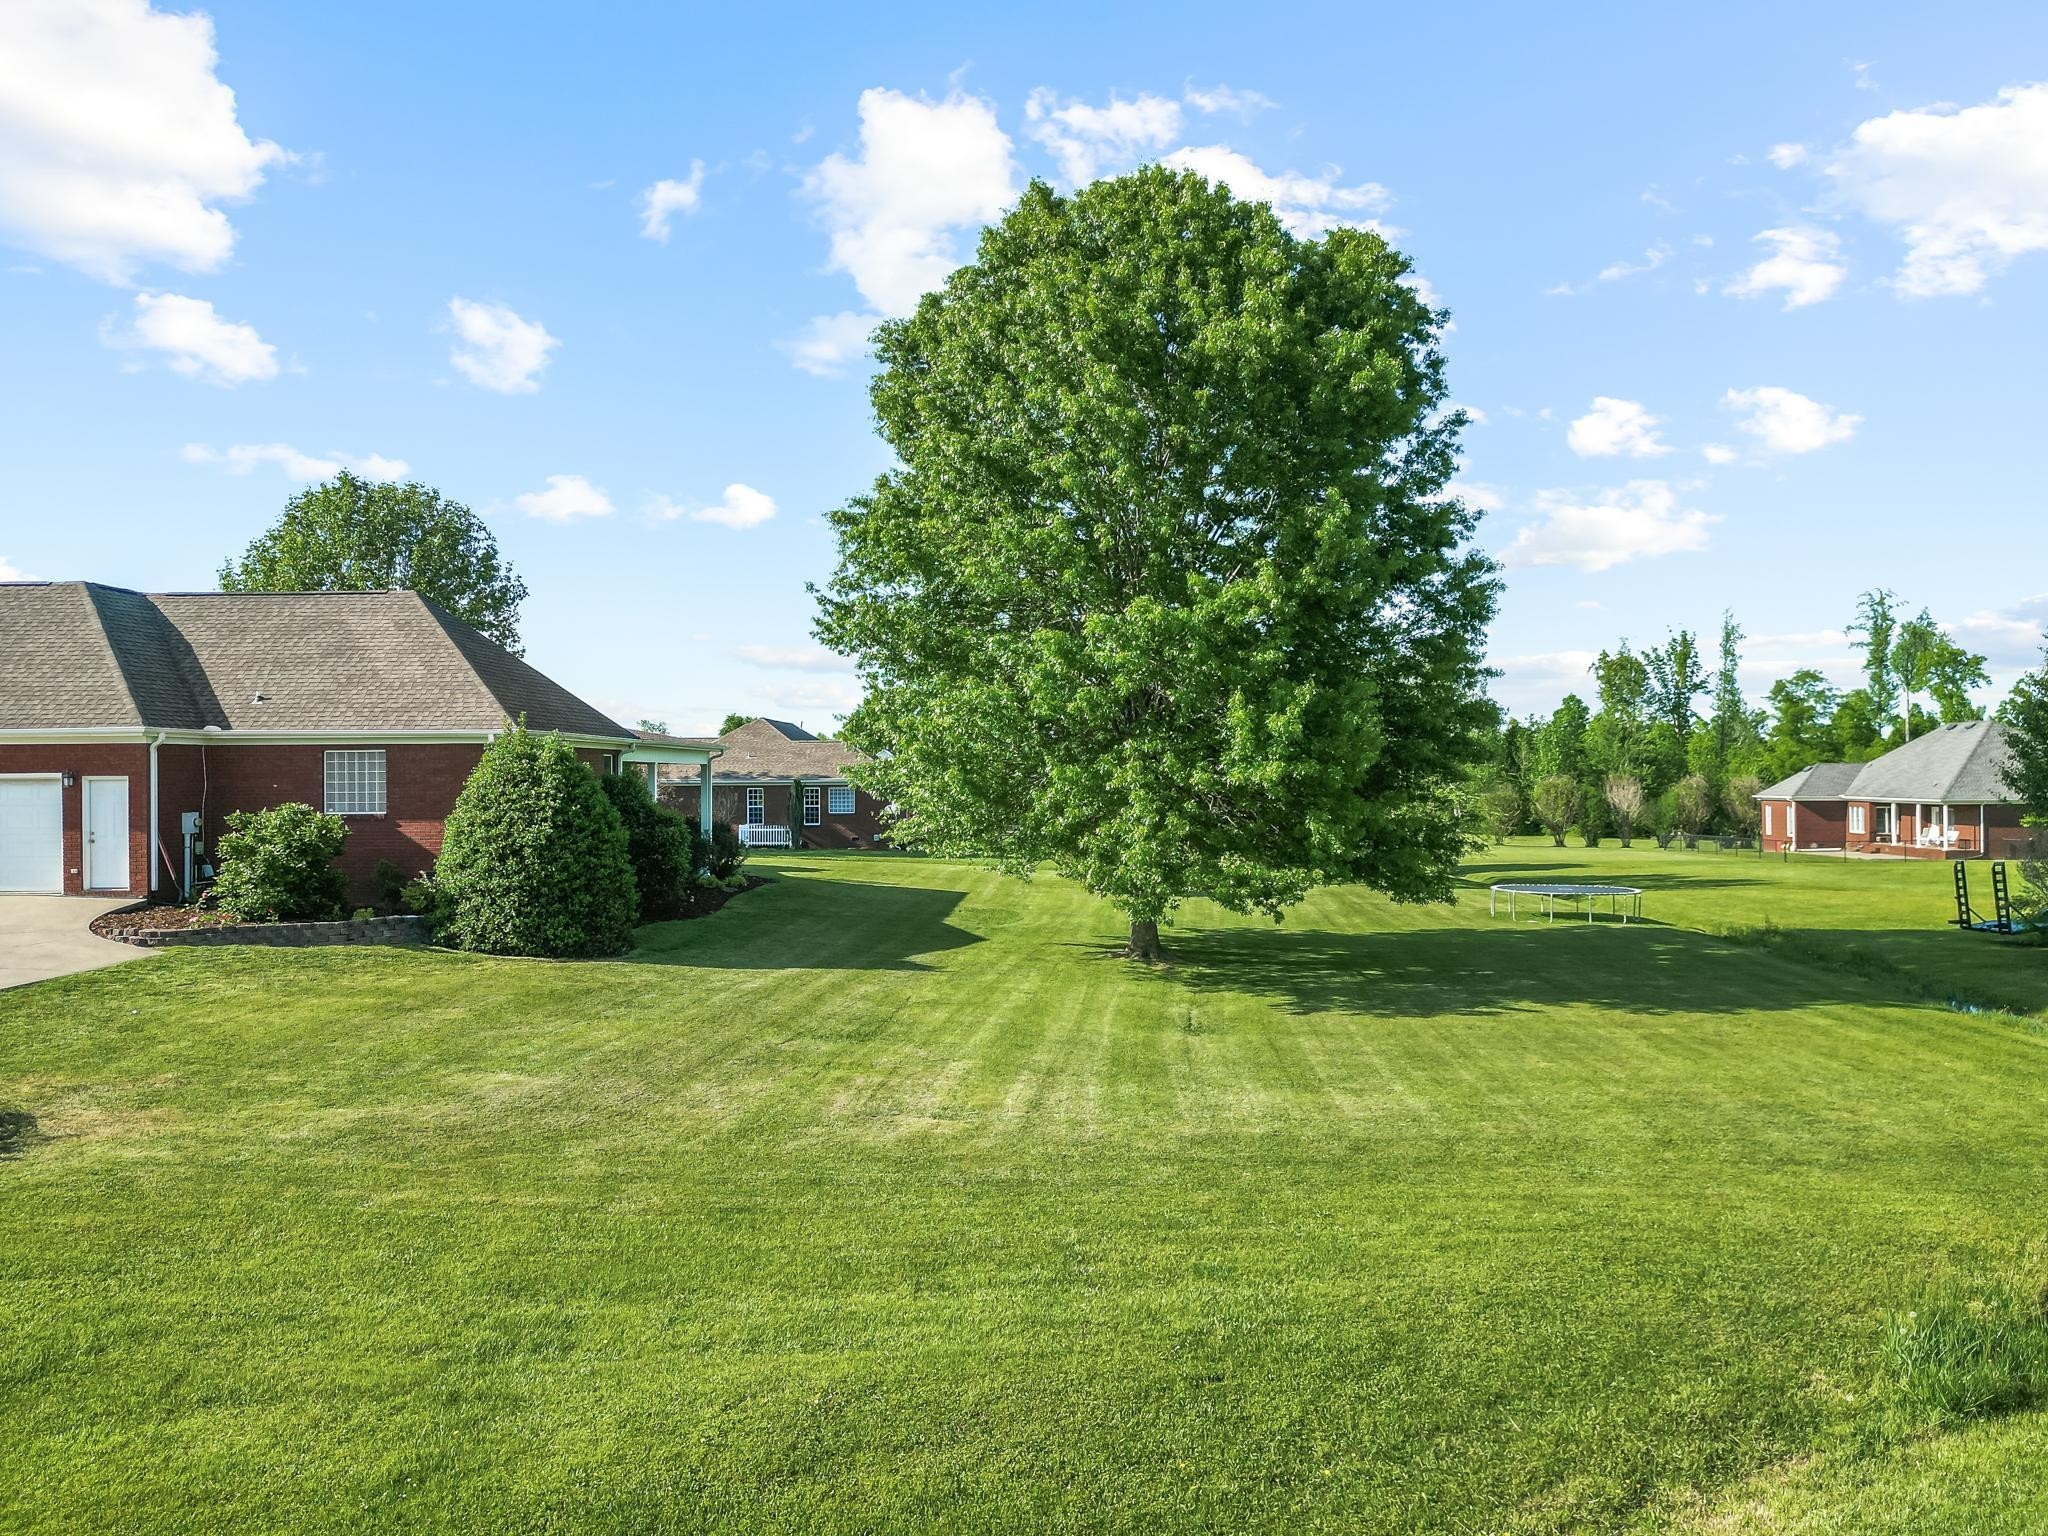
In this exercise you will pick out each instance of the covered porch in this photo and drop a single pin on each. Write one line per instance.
(1928, 829)
(648, 756)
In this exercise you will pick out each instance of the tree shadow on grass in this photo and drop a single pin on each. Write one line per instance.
(1643, 968)
(18, 1132)
(800, 923)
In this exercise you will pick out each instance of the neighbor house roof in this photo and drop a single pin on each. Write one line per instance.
(81, 655)
(1822, 781)
(1963, 762)
(767, 752)
(1950, 763)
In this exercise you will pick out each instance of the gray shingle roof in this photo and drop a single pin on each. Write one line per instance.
(1821, 781)
(81, 655)
(1954, 762)
(763, 751)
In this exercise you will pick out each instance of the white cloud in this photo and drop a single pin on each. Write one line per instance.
(13, 573)
(1476, 495)
(817, 700)
(194, 341)
(1309, 206)
(117, 140)
(665, 199)
(496, 349)
(1966, 189)
(242, 458)
(743, 507)
(1785, 421)
(830, 342)
(1639, 521)
(2011, 636)
(1087, 140)
(1718, 453)
(1221, 98)
(1785, 156)
(1653, 258)
(926, 171)
(1616, 427)
(566, 498)
(794, 658)
(1803, 263)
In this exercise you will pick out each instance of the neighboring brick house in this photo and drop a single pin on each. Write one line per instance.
(769, 773)
(1941, 796)
(132, 724)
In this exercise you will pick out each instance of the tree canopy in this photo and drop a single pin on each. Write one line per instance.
(352, 534)
(1167, 588)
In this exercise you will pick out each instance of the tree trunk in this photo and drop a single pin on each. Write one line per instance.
(1145, 942)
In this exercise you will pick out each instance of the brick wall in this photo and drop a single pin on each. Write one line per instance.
(420, 786)
(861, 829)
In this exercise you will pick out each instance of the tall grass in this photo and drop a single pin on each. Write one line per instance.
(1971, 1349)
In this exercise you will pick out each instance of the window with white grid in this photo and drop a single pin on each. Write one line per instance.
(840, 801)
(757, 807)
(814, 805)
(355, 783)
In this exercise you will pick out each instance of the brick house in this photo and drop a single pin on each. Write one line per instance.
(1942, 796)
(769, 773)
(132, 724)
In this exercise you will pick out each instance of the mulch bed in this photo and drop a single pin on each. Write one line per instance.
(699, 902)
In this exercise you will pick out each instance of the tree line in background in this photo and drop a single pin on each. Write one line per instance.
(1674, 749)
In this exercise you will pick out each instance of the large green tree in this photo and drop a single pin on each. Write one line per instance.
(1677, 677)
(1167, 589)
(352, 534)
(1876, 625)
(1802, 728)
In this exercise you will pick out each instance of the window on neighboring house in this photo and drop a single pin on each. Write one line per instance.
(355, 783)
(757, 807)
(814, 805)
(841, 801)
(1856, 819)
(1767, 818)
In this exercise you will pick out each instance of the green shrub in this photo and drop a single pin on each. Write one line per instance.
(391, 881)
(727, 853)
(1968, 1351)
(658, 841)
(277, 866)
(362, 914)
(533, 861)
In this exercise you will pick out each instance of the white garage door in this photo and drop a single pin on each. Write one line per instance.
(31, 835)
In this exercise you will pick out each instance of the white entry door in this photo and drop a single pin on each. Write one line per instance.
(32, 834)
(106, 834)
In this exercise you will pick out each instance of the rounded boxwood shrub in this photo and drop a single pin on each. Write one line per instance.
(533, 859)
(277, 866)
(658, 841)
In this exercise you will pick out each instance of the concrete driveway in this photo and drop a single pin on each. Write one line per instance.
(45, 936)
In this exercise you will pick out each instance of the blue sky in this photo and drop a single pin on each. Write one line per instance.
(1749, 307)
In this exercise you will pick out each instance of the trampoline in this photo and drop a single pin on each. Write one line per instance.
(1623, 901)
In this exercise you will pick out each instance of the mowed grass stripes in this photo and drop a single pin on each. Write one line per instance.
(885, 1200)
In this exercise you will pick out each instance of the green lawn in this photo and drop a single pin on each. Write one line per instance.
(884, 1201)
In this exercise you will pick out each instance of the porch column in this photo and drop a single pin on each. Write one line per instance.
(704, 799)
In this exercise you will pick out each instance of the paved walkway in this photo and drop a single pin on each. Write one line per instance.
(45, 936)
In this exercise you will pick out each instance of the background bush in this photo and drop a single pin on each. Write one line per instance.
(534, 858)
(727, 852)
(277, 865)
(659, 843)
